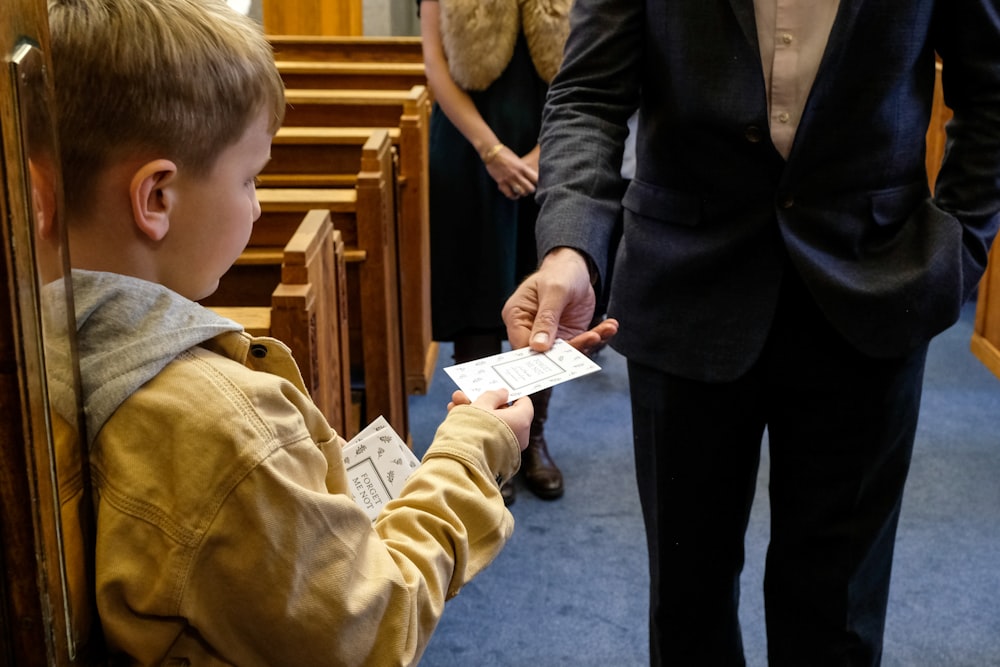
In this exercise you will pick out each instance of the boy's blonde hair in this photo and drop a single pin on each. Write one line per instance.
(176, 79)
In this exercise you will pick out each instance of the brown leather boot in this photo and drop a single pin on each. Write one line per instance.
(541, 473)
(508, 492)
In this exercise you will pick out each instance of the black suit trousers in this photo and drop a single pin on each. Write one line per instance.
(840, 429)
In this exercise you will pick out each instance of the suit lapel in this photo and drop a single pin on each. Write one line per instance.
(743, 9)
(840, 33)
(843, 24)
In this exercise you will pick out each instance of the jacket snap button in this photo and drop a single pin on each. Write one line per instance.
(258, 350)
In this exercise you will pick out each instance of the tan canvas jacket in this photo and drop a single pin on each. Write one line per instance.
(226, 531)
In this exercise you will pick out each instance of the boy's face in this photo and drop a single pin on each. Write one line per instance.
(214, 214)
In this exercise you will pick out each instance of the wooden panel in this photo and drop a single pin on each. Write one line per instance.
(256, 320)
(46, 544)
(351, 75)
(24, 627)
(986, 333)
(309, 313)
(940, 115)
(290, 46)
(308, 163)
(323, 108)
(312, 17)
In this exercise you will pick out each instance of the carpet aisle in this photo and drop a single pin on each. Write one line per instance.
(570, 588)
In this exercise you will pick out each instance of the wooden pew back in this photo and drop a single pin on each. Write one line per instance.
(985, 342)
(318, 156)
(346, 75)
(409, 113)
(352, 108)
(342, 48)
(309, 313)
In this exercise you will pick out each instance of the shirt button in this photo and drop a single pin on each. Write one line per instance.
(752, 134)
(786, 38)
(783, 116)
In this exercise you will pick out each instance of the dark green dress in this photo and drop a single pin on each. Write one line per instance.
(482, 244)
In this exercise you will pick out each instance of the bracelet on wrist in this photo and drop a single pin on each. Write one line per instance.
(492, 153)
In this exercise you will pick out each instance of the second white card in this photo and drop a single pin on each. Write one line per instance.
(521, 372)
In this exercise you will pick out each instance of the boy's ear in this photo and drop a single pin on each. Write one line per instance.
(43, 199)
(152, 197)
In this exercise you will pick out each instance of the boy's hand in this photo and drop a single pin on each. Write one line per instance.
(516, 415)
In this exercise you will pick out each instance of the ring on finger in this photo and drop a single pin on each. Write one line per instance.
(516, 189)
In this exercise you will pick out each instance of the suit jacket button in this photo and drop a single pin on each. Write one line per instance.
(753, 134)
(787, 202)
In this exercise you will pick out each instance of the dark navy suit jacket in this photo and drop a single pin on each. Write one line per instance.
(715, 215)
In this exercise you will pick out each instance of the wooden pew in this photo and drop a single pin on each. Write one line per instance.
(310, 115)
(323, 107)
(323, 157)
(985, 342)
(940, 115)
(365, 217)
(308, 312)
(349, 75)
(342, 48)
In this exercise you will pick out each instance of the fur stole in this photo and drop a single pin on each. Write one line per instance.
(479, 37)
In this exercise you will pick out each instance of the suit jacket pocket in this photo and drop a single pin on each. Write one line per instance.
(895, 205)
(662, 204)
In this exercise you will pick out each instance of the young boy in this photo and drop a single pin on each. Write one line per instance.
(226, 532)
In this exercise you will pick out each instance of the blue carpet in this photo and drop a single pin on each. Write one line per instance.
(571, 586)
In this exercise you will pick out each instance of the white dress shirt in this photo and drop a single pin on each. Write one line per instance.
(792, 36)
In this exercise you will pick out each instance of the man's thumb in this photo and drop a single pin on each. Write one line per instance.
(544, 328)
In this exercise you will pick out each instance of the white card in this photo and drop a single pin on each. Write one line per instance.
(522, 372)
(378, 463)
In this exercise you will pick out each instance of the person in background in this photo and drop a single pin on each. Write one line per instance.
(226, 529)
(783, 266)
(488, 64)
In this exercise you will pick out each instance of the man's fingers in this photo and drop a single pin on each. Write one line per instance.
(592, 338)
(543, 331)
(519, 323)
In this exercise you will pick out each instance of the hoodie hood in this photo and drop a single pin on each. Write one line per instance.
(127, 331)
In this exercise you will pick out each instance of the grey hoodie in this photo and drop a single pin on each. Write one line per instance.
(127, 331)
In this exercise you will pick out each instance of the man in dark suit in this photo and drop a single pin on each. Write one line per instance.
(783, 267)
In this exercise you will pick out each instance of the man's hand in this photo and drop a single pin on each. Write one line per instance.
(556, 301)
(596, 337)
